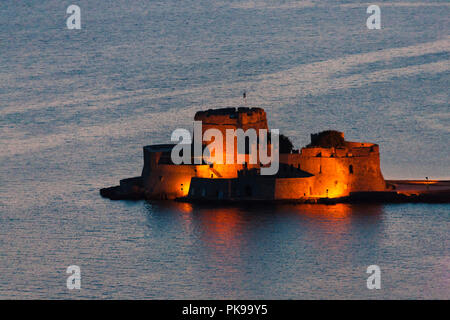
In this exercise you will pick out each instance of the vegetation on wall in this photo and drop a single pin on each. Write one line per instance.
(327, 139)
(286, 145)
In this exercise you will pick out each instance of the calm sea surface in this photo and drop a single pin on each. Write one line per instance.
(76, 107)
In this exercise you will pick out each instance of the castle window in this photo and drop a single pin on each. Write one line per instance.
(350, 169)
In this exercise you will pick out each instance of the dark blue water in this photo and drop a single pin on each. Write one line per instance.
(76, 106)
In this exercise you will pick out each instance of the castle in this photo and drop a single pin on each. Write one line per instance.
(328, 168)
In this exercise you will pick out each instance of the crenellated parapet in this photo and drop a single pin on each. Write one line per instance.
(232, 118)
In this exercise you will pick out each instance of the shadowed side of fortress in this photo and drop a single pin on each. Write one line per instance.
(328, 168)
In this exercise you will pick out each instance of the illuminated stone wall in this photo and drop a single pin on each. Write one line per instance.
(339, 171)
(231, 118)
(163, 180)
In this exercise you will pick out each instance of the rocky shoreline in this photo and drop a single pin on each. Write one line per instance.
(406, 191)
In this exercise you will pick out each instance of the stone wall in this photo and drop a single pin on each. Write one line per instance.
(293, 188)
(256, 187)
(339, 171)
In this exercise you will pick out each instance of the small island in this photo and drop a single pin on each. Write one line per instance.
(328, 170)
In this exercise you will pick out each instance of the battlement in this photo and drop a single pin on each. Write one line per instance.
(332, 144)
(228, 112)
(367, 150)
(243, 118)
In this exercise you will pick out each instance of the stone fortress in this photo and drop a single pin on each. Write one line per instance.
(328, 169)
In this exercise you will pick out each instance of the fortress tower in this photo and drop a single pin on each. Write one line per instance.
(162, 179)
(231, 118)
